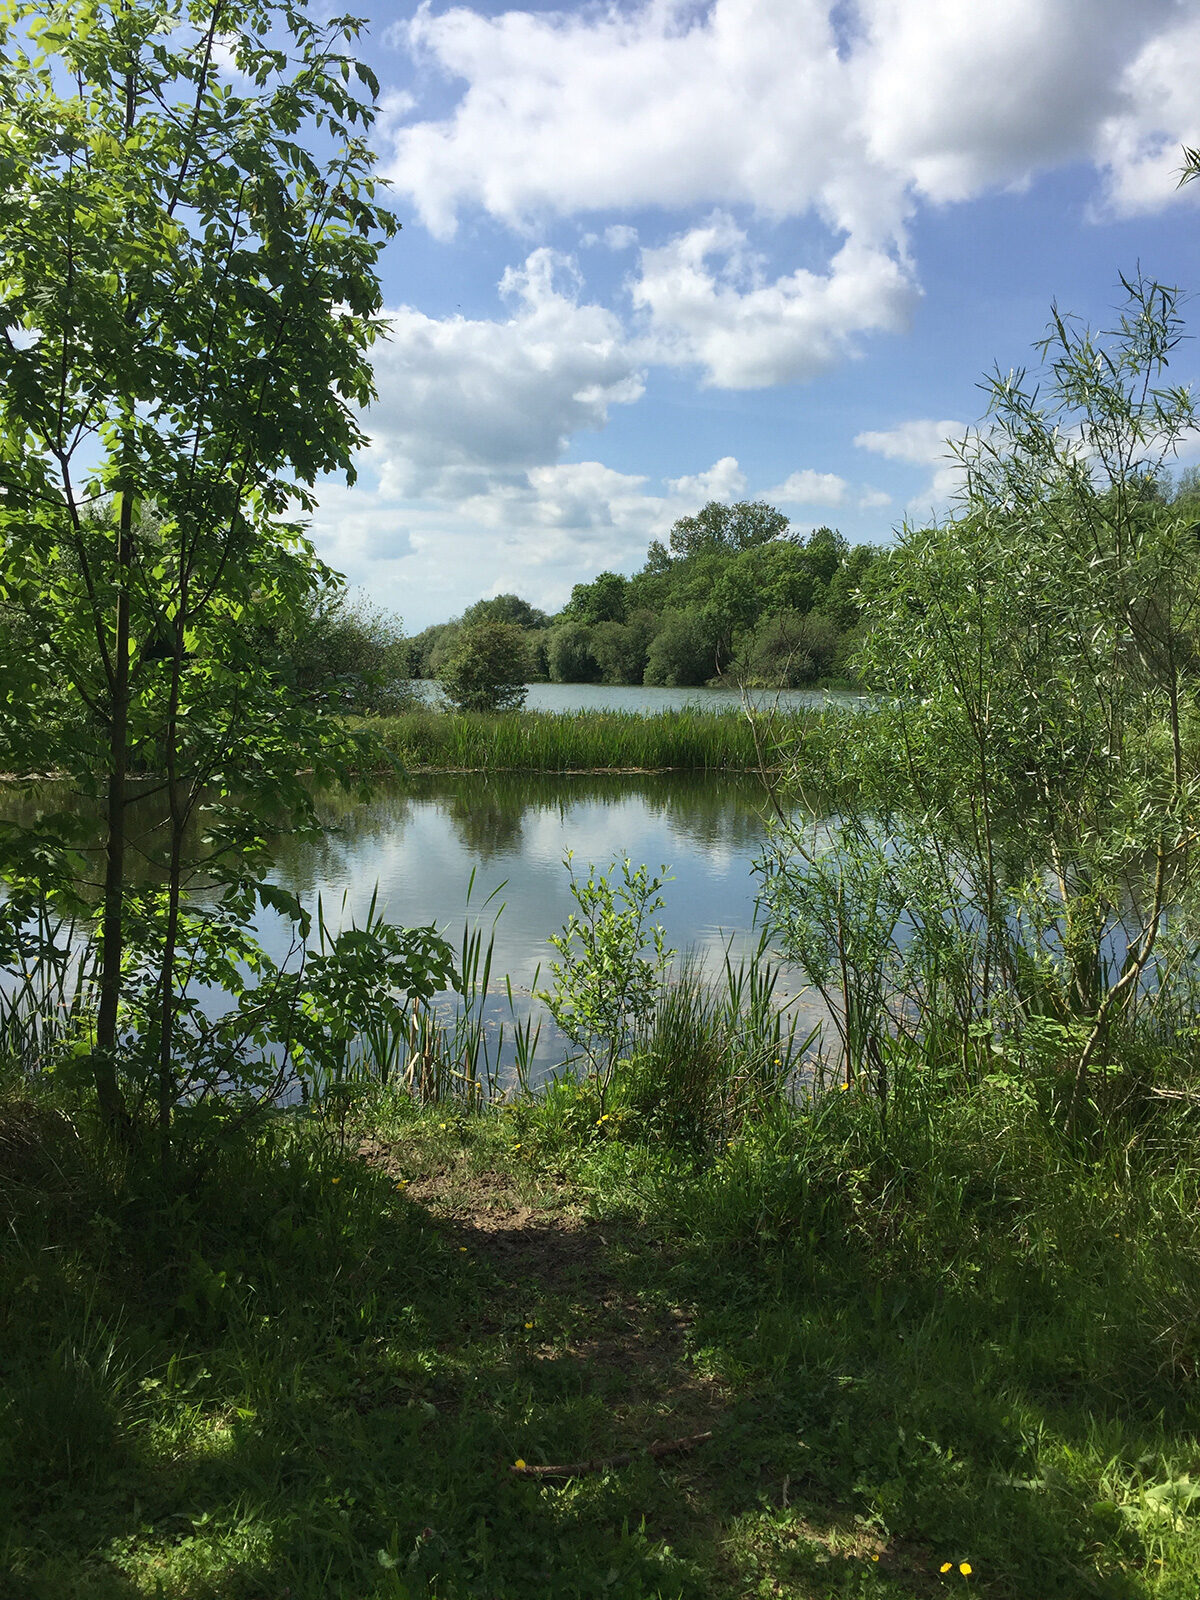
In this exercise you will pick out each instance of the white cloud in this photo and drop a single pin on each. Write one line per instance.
(959, 98)
(536, 532)
(809, 488)
(750, 102)
(659, 105)
(707, 303)
(873, 499)
(1140, 145)
(722, 481)
(756, 104)
(463, 403)
(922, 442)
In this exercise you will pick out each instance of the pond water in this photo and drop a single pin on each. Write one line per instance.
(418, 842)
(486, 852)
(645, 700)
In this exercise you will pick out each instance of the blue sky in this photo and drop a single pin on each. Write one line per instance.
(655, 254)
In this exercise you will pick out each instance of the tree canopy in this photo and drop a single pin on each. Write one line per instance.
(188, 298)
(739, 595)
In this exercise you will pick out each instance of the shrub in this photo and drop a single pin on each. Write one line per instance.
(487, 668)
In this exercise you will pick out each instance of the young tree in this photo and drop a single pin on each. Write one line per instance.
(487, 668)
(1018, 835)
(188, 234)
(569, 654)
(602, 600)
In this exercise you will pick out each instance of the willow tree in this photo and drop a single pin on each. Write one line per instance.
(189, 231)
(1014, 874)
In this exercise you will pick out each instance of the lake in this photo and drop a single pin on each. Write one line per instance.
(646, 700)
(420, 839)
(485, 852)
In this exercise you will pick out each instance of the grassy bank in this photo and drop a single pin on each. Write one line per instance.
(542, 741)
(968, 1342)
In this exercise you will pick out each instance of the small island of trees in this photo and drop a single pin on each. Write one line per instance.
(736, 596)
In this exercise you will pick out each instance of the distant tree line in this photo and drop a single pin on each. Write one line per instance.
(736, 596)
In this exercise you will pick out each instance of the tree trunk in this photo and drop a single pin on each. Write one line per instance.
(112, 938)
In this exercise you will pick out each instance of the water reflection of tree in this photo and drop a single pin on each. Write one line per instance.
(703, 809)
(488, 821)
(351, 819)
(51, 808)
(487, 811)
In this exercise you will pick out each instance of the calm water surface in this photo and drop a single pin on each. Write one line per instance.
(646, 700)
(485, 851)
(420, 840)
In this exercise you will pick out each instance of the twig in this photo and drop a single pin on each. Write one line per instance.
(577, 1469)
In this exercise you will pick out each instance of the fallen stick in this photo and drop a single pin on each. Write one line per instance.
(577, 1469)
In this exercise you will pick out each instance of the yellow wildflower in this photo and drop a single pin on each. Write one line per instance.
(965, 1568)
(519, 1464)
(335, 1180)
(528, 1325)
(945, 1566)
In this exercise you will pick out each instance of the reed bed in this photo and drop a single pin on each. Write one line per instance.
(589, 741)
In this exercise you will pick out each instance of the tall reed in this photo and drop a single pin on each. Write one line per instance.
(47, 1001)
(543, 741)
(711, 1055)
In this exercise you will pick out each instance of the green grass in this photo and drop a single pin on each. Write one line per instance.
(587, 741)
(971, 1339)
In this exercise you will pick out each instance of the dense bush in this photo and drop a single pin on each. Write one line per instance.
(569, 654)
(695, 610)
(487, 667)
(683, 651)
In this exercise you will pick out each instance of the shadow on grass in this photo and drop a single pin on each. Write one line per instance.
(307, 1383)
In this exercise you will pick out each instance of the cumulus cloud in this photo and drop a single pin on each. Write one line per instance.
(659, 105)
(1140, 143)
(752, 102)
(767, 106)
(464, 402)
(810, 488)
(537, 532)
(709, 304)
(922, 442)
(873, 499)
(958, 98)
(724, 480)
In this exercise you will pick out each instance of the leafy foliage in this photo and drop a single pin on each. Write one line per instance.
(712, 606)
(1013, 873)
(189, 299)
(486, 668)
(613, 961)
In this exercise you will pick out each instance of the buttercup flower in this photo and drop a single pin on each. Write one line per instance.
(945, 1566)
(965, 1568)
